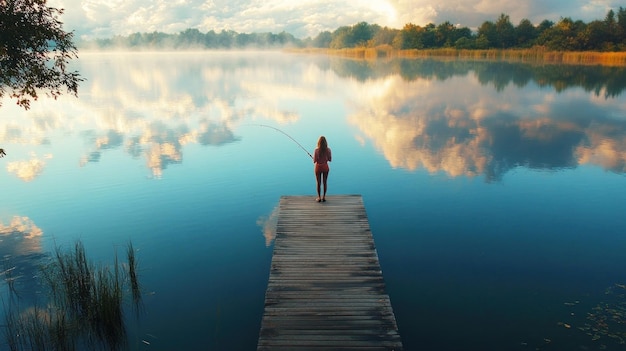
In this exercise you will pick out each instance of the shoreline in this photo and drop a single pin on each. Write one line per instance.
(533, 55)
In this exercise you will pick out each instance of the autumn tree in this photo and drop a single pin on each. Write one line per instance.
(410, 37)
(384, 36)
(34, 51)
(559, 36)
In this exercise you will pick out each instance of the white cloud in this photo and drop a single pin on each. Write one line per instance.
(26, 170)
(104, 18)
(472, 13)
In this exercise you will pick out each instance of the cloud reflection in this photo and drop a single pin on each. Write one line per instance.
(27, 170)
(22, 227)
(608, 153)
(19, 237)
(21, 252)
(460, 126)
(460, 118)
(268, 225)
(413, 130)
(151, 105)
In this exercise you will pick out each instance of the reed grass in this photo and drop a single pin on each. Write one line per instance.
(535, 55)
(38, 329)
(135, 289)
(85, 307)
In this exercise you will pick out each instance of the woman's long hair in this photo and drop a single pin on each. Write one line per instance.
(322, 145)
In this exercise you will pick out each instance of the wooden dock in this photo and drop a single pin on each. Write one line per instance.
(326, 289)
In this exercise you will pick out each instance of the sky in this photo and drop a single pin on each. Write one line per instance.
(306, 18)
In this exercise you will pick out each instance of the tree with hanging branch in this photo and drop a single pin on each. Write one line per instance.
(34, 52)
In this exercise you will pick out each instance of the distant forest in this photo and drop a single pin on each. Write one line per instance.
(608, 34)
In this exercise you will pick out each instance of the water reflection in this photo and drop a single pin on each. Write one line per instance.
(268, 225)
(19, 236)
(28, 170)
(462, 118)
(601, 80)
(461, 127)
(152, 105)
(20, 251)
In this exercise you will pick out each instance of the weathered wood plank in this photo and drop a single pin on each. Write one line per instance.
(326, 290)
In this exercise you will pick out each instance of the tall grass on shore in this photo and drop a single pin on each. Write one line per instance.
(535, 55)
(85, 309)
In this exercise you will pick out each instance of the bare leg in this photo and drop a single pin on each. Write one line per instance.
(325, 176)
(318, 178)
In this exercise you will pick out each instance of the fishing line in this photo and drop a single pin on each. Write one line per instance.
(287, 135)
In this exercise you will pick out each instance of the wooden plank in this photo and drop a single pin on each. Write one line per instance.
(326, 290)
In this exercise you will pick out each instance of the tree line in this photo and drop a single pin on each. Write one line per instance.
(603, 81)
(608, 34)
(193, 38)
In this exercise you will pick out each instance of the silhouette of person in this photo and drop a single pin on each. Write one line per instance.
(2, 153)
(321, 157)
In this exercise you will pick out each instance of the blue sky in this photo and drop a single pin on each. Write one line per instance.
(302, 18)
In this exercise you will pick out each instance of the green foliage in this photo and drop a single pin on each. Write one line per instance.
(322, 40)
(384, 36)
(505, 32)
(411, 37)
(465, 43)
(340, 38)
(526, 34)
(34, 51)
(361, 33)
(602, 81)
(194, 39)
(358, 35)
(487, 31)
(608, 34)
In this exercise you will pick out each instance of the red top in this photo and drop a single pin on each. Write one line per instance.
(322, 159)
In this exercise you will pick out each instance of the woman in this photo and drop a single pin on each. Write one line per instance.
(321, 157)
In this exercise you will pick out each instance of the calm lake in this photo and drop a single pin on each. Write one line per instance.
(496, 192)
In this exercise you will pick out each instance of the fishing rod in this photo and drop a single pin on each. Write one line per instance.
(287, 135)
